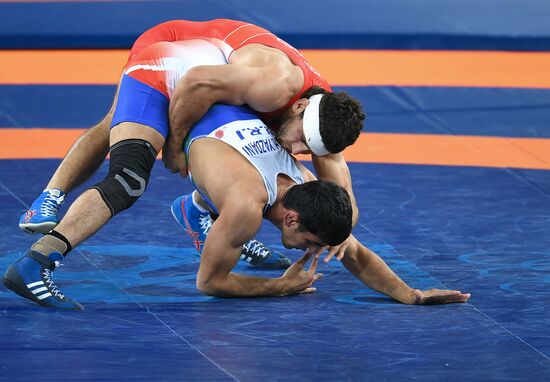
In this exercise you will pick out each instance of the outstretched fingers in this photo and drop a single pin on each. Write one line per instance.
(309, 290)
(314, 264)
(338, 251)
(458, 297)
(436, 296)
(305, 258)
(332, 252)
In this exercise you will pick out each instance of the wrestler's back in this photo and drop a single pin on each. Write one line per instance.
(162, 64)
(230, 36)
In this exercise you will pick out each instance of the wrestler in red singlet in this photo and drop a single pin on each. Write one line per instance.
(230, 35)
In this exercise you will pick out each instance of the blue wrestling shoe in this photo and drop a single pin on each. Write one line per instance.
(197, 224)
(42, 216)
(32, 277)
(257, 254)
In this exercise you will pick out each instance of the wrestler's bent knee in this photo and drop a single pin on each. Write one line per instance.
(129, 170)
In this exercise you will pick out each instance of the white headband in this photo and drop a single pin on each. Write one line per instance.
(311, 126)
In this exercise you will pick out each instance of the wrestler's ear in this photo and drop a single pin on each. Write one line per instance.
(299, 106)
(292, 218)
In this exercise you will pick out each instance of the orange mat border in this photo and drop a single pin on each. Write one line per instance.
(426, 149)
(340, 67)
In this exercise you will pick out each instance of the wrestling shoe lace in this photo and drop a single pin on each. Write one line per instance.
(50, 205)
(48, 280)
(254, 248)
(205, 223)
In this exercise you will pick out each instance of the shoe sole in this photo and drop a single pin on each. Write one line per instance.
(33, 228)
(12, 280)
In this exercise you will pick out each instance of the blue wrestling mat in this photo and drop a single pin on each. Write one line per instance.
(479, 229)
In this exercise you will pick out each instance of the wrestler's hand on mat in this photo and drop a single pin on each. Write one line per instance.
(338, 250)
(297, 280)
(438, 296)
(174, 158)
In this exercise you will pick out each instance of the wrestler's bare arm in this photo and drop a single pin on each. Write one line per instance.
(333, 167)
(222, 250)
(262, 88)
(368, 267)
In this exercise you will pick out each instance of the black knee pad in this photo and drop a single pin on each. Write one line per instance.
(129, 170)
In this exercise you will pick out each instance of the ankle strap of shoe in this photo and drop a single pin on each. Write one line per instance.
(45, 261)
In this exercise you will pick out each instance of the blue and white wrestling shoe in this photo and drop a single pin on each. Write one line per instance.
(42, 216)
(32, 277)
(198, 223)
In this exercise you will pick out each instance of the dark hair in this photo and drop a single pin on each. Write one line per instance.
(324, 208)
(341, 118)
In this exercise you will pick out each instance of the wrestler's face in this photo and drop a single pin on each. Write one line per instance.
(291, 136)
(293, 236)
(291, 133)
(301, 240)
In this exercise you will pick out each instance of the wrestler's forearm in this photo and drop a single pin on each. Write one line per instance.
(333, 167)
(368, 267)
(191, 99)
(200, 88)
(236, 285)
(184, 112)
(354, 210)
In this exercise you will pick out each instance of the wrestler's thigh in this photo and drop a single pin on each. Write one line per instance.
(140, 112)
